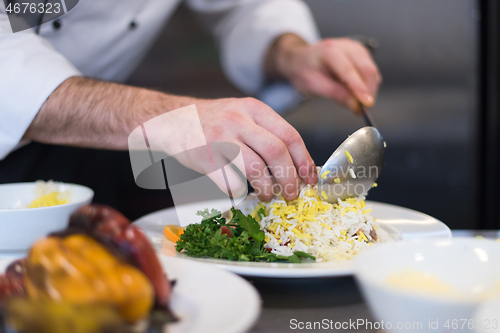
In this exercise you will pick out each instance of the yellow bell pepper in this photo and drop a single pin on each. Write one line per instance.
(29, 316)
(79, 270)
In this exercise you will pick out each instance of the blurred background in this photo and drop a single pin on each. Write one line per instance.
(427, 108)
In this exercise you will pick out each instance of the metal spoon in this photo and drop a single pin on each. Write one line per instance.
(341, 177)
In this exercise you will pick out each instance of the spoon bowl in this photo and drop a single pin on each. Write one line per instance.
(354, 167)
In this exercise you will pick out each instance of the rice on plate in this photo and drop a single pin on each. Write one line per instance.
(329, 232)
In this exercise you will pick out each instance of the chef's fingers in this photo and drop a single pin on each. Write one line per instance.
(257, 173)
(322, 85)
(275, 153)
(235, 162)
(229, 181)
(288, 135)
(366, 67)
(344, 71)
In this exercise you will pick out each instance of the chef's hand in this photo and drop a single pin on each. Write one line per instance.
(266, 141)
(264, 138)
(88, 113)
(337, 68)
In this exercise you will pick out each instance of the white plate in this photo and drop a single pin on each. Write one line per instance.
(410, 224)
(206, 299)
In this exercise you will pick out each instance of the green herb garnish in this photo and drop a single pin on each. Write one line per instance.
(249, 224)
(294, 258)
(261, 212)
(210, 238)
(304, 255)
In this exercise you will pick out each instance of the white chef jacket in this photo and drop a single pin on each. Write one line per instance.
(95, 40)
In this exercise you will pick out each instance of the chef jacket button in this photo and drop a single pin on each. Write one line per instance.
(132, 25)
(56, 24)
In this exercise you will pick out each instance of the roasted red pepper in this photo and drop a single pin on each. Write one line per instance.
(225, 230)
(99, 218)
(12, 282)
(111, 228)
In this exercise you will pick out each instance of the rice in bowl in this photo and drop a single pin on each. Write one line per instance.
(330, 232)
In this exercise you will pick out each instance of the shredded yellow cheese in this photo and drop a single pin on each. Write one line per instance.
(326, 226)
(323, 175)
(300, 234)
(49, 199)
(349, 156)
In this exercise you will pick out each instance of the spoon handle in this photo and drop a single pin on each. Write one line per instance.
(366, 117)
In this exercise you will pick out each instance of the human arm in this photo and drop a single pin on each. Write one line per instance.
(30, 69)
(88, 113)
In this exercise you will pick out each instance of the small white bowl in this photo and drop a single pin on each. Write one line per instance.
(20, 228)
(469, 266)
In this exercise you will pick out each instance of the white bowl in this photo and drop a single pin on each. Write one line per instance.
(469, 266)
(20, 228)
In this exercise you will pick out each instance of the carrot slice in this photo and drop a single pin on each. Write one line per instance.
(173, 232)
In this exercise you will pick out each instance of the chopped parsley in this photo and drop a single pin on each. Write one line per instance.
(211, 238)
